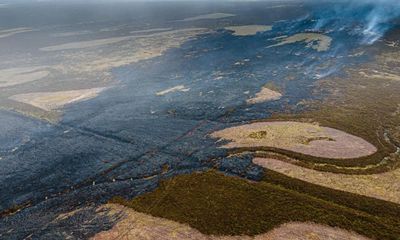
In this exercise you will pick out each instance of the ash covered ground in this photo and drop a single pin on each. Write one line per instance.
(101, 99)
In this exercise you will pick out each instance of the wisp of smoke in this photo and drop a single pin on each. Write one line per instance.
(378, 20)
(370, 19)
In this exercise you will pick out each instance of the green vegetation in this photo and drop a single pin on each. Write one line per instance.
(217, 204)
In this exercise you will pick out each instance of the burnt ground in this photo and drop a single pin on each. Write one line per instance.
(126, 140)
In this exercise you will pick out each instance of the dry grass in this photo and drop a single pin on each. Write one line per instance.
(130, 50)
(136, 226)
(264, 95)
(248, 30)
(385, 186)
(106, 41)
(15, 76)
(179, 88)
(315, 41)
(309, 231)
(50, 101)
(304, 138)
(85, 44)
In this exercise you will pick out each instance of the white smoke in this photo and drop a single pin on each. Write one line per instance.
(379, 19)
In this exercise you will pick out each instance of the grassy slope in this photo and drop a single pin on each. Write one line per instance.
(217, 204)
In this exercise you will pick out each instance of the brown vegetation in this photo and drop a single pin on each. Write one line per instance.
(136, 226)
(305, 138)
(385, 186)
(219, 205)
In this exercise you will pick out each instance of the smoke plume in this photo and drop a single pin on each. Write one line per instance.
(366, 18)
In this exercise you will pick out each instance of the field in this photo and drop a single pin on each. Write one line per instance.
(252, 120)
